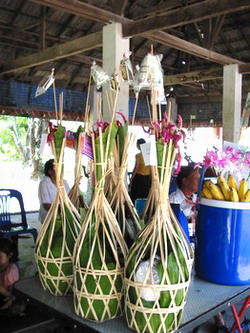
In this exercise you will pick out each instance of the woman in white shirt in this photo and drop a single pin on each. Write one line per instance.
(47, 189)
(187, 186)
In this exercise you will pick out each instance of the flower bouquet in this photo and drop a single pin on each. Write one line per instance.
(232, 169)
(158, 266)
(100, 248)
(57, 237)
(167, 131)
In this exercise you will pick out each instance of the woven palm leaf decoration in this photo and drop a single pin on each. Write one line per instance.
(100, 248)
(57, 237)
(75, 193)
(121, 202)
(158, 266)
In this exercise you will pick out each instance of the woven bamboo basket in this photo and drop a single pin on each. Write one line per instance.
(57, 237)
(158, 266)
(99, 252)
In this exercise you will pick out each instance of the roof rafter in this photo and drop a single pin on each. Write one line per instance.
(95, 40)
(190, 14)
(85, 10)
(53, 53)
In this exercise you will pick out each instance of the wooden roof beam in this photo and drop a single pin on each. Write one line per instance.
(53, 53)
(182, 45)
(161, 7)
(210, 74)
(100, 15)
(190, 14)
(82, 9)
(203, 75)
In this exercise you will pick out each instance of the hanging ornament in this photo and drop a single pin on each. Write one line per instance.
(99, 75)
(126, 68)
(136, 85)
(45, 83)
(151, 73)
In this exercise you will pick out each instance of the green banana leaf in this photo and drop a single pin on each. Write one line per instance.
(121, 136)
(58, 140)
(159, 152)
(57, 252)
(113, 132)
(102, 282)
(79, 131)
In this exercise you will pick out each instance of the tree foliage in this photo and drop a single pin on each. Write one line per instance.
(20, 138)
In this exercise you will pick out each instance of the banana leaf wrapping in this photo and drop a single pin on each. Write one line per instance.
(121, 202)
(100, 248)
(155, 302)
(57, 237)
(75, 194)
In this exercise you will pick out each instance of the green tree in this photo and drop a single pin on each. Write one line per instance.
(20, 140)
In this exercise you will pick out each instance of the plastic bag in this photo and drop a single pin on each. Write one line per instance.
(147, 293)
(99, 75)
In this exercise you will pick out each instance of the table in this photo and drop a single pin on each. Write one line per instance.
(204, 300)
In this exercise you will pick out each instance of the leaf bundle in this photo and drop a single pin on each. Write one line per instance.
(56, 239)
(164, 240)
(100, 248)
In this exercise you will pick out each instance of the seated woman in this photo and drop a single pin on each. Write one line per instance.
(47, 189)
(187, 186)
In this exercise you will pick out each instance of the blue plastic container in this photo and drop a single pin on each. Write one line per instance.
(222, 253)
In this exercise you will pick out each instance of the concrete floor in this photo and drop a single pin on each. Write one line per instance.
(28, 268)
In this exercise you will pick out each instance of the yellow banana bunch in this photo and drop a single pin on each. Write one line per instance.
(246, 197)
(234, 195)
(216, 191)
(243, 187)
(232, 182)
(206, 193)
(224, 187)
(226, 190)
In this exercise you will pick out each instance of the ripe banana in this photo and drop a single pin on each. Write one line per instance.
(232, 182)
(242, 188)
(206, 183)
(246, 197)
(206, 193)
(224, 187)
(216, 191)
(234, 195)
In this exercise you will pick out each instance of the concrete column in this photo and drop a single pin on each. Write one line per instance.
(94, 99)
(114, 46)
(231, 108)
(174, 111)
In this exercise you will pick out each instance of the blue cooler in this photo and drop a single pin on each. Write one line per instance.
(222, 253)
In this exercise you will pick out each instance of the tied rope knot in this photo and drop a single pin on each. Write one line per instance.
(121, 172)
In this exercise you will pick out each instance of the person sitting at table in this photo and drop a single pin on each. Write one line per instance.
(9, 274)
(185, 195)
(47, 189)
